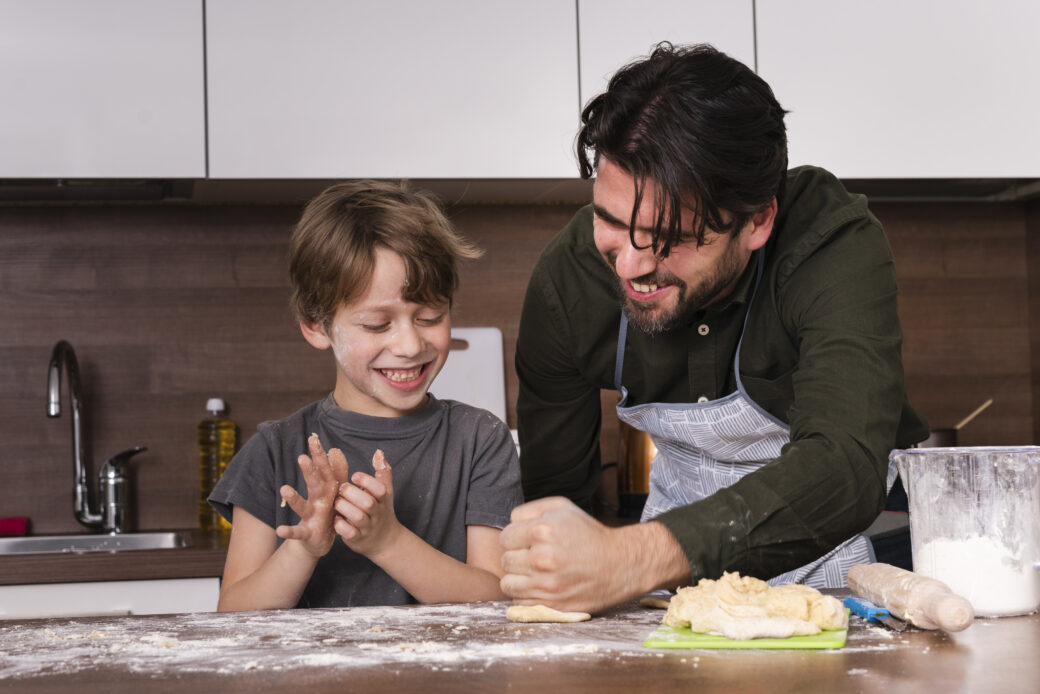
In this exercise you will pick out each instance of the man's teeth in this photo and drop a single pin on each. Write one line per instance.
(401, 375)
(644, 288)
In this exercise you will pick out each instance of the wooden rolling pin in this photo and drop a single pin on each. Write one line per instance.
(922, 601)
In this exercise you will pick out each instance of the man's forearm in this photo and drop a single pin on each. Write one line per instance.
(656, 556)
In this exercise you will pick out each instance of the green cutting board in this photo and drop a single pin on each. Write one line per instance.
(681, 637)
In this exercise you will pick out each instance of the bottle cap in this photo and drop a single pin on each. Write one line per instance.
(215, 405)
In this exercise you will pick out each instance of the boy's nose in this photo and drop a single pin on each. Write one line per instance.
(407, 342)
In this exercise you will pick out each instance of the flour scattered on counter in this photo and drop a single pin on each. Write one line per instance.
(406, 647)
(881, 632)
(325, 659)
(462, 638)
(467, 636)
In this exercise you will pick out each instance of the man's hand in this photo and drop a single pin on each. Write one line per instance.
(558, 556)
(365, 510)
(323, 474)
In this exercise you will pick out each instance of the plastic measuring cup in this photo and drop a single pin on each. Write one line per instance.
(975, 522)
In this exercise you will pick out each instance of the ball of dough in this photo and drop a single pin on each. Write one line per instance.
(737, 606)
(828, 613)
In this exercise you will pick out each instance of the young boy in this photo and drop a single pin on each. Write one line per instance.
(373, 271)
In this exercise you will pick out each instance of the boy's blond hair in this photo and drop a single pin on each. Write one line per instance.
(332, 251)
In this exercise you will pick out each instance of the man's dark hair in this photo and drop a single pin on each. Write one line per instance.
(704, 128)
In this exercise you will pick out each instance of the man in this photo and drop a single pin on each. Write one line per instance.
(746, 314)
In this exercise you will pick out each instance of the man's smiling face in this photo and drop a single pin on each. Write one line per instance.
(660, 294)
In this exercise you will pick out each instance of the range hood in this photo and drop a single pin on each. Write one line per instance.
(455, 191)
(97, 190)
(946, 189)
(282, 191)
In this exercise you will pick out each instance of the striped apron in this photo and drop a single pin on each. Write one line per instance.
(706, 446)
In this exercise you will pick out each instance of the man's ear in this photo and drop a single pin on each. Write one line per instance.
(761, 226)
(315, 334)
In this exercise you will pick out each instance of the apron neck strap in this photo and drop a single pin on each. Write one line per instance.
(619, 359)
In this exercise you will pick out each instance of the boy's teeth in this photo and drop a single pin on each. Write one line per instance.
(644, 287)
(401, 375)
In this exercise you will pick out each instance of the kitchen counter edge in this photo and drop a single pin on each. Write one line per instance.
(204, 558)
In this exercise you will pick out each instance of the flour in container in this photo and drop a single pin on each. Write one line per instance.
(993, 578)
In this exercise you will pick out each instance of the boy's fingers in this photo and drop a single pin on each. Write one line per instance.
(379, 461)
(314, 445)
(375, 487)
(312, 471)
(318, 455)
(344, 529)
(287, 532)
(383, 472)
(350, 512)
(296, 502)
(357, 495)
(340, 467)
(292, 532)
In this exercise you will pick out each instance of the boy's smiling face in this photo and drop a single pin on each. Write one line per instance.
(388, 350)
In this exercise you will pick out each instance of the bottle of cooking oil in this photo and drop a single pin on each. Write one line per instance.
(216, 448)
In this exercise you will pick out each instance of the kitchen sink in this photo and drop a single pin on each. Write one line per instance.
(78, 544)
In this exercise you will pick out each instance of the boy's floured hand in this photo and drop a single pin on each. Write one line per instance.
(365, 517)
(324, 473)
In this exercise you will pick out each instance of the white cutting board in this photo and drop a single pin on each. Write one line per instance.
(474, 375)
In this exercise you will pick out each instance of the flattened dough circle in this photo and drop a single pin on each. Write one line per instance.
(541, 613)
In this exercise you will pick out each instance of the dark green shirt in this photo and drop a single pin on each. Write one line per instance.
(822, 352)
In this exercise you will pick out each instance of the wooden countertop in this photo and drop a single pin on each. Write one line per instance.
(472, 647)
(204, 558)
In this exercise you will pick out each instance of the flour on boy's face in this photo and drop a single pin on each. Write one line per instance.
(388, 350)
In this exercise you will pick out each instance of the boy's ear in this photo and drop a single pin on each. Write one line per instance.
(315, 334)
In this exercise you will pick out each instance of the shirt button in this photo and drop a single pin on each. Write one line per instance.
(703, 398)
(703, 329)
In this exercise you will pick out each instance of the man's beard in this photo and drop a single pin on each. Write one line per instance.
(653, 320)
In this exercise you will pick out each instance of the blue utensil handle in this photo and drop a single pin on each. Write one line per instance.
(866, 609)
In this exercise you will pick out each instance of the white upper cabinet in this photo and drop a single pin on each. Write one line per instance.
(460, 89)
(615, 32)
(102, 89)
(394, 88)
(898, 89)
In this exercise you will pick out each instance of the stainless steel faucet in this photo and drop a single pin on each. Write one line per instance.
(112, 486)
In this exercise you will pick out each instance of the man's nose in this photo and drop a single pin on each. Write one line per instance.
(635, 262)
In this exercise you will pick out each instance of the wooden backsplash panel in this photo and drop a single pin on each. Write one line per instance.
(168, 305)
(491, 290)
(1032, 216)
(963, 277)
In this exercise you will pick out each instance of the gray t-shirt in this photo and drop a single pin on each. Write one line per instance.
(453, 465)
